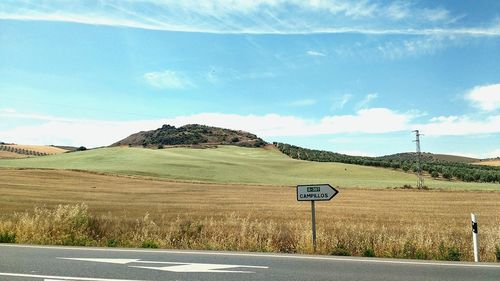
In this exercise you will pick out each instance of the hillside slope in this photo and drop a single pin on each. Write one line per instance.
(228, 164)
(190, 135)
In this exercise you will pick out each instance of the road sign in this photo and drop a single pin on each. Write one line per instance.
(315, 192)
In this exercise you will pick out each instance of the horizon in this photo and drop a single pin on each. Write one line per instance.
(345, 76)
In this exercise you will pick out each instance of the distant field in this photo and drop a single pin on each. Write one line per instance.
(495, 163)
(229, 164)
(8, 155)
(393, 223)
(39, 148)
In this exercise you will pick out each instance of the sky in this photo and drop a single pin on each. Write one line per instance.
(353, 77)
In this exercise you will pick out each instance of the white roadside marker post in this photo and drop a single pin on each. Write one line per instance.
(474, 237)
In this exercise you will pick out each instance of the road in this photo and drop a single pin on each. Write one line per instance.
(31, 263)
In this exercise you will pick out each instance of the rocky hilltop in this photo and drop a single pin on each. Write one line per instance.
(192, 135)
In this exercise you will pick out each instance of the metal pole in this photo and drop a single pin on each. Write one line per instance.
(313, 211)
(420, 179)
(474, 237)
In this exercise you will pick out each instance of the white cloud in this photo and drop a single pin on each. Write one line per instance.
(167, 79)
(485, 97)
(315, 54)
(355, 153)
(304, 102)
(91, 133)
(250, 17)
(366, 100)
(460, 125)
(494, 154)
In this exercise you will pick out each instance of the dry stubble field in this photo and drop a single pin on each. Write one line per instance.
(381, 222)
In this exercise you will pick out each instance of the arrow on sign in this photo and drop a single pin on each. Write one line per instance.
(315, 192)
(175, 266)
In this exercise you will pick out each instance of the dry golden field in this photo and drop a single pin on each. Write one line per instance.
(11, 155)
(495, 163)
(390, 223)
(39, 148)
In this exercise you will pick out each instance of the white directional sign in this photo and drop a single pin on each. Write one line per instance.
(315, 192)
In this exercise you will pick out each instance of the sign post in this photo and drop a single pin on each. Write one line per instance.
(474, 237)
(315, 192)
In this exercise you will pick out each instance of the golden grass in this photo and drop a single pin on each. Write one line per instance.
(39, 148)
(495, 163)
(11, 155)
(391, 223)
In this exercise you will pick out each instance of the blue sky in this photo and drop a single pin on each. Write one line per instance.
(348, 76)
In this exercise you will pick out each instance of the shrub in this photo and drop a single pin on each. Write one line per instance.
(369, 252)
(7, 237)
(81, 148)
(340, 250)
(111, 242)
(434, 174)
(160, 146)
(497, 253)
(453, 254)
(149, 244)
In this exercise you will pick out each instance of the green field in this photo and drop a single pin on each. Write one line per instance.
(229, 164)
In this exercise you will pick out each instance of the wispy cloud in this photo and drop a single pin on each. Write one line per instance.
(341, 101)
(486, 97)
(315, 53)
(251, 17)
(168, 79)
(365, 102)
(415, 46)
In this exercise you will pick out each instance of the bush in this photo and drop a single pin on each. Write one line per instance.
(160, 146)
(453, 254)
(235, 139)
(149, 244)
(497, 253)
(81, 148)
(434, 174)
(7, 237)
(111, 242)
(340, 250)
(368, 252)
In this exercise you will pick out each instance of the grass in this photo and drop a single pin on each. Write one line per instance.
(229, 164)
(126, 212)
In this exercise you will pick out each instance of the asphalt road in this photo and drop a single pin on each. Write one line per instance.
(20, 262)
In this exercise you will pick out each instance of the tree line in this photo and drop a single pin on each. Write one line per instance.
(434, 167)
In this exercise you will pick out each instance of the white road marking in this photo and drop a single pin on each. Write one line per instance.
(116, 261)
(61, 278)
(175, 266)
(281, 256)
(200, 268)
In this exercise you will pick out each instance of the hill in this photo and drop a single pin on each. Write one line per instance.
(190, 135)
(430, 163)
(428, 157)
(229, 164)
